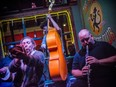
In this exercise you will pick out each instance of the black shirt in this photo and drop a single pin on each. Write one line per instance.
(100, 75)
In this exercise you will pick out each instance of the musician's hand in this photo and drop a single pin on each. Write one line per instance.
(85, 70)
(43, 46)
(49, 16)
(17, 52)
(3, 70)
(92, 60)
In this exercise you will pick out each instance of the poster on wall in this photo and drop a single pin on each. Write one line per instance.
(95, 21)
(95, 18)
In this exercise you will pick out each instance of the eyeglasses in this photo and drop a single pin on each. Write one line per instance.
(85, 39)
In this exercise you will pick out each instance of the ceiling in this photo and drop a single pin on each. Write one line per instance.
(11, 6)
(17, 5)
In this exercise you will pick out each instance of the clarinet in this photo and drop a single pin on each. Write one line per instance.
(88, 74)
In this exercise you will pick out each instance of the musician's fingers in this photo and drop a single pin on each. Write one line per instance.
(85, 68)
(24, 51)
(89, 58)
(92, 61)
(84, 71)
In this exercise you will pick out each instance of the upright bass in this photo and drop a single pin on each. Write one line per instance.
(57, 63)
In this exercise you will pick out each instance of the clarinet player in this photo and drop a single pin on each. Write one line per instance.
(101, 57)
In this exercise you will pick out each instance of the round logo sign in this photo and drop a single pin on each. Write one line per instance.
(95, 18)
